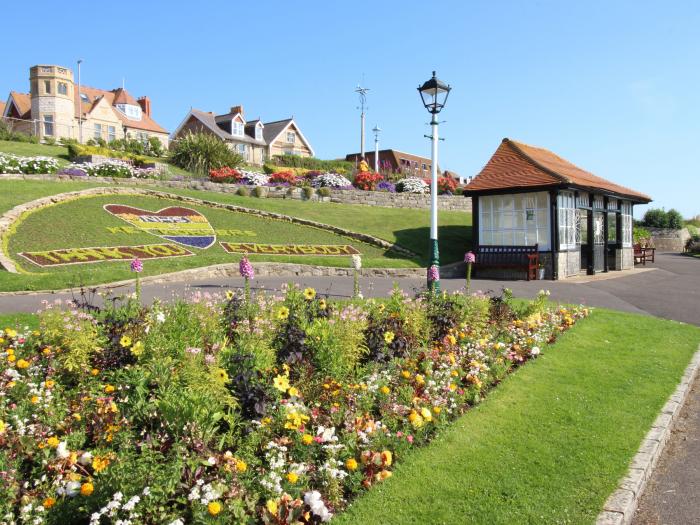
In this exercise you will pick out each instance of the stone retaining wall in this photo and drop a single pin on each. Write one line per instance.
(367, 198)
(666, 240)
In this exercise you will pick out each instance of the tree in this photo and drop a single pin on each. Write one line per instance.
(675, 219)
(655, 218)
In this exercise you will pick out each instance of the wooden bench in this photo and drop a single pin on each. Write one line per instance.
(509, 257)
(642, 254)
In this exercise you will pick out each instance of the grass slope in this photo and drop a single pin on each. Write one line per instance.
(549, 444)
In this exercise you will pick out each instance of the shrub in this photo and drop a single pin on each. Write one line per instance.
(155, 147)
(284, 177)
(202, 152)
(225, 174)
(658, 218)
(641, 235)
(446, 185)
(675, 219)
(367, 181)
(324, 192)
(243, 191)
(412, 185)
(259, 191)
(311, 163)
(49, 141)
(330, 180)
(308, 192)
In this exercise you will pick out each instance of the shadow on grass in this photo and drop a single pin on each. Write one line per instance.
(453, 241)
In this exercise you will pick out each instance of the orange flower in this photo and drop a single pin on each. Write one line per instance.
(109, 389)
(86, 489)
(48, 503)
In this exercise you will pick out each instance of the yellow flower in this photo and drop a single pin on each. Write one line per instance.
(137, 349)
(309, 294)
(281, 383)
(11, 358)
(452, 387)
(385, 390)
(46, 351)
(2, 426)
(437, 410)
(48, 503)
(292, 477)
(427, 415)
(214, 508)
(295, 420)
(77, 416)
(241, 466)
(94, 372)
(388, 457)
(420, 379)
(307, 439)
(322, 304)
(49, 383)
(271, 507)
(221, 375)
(86, 489)
(22, 363)
(389, 337)
(52, 442)
(229, 294)
(282, 313)
(405, 374)
(125, 341)
(34, 399)
(99, 464)
(384, 474)
(416, 419)
(109, 389)
(451, 339)
(293, 391)
(9, 332)
(351, 464)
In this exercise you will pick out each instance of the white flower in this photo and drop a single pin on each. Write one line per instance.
(535, 350)
(412, 185)
(177, 521)
(313, 500)
(62, 450)
(85, 458)
(330, 180)
(211, 460)
(356, 261)
(160, 317)
(70, 489)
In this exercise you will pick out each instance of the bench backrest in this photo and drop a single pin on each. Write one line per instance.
(505, 254)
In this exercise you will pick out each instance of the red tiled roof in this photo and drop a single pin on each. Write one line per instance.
(23, 103)
(518, 165)
(118, 96)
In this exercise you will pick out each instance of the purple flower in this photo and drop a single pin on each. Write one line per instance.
(385, 185)
(246, 268)
(136, 265)
(433, 273)
(469, 258)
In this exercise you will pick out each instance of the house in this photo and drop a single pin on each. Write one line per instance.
(396, 162)
(56, 108)
(580, 222)
(254, 140)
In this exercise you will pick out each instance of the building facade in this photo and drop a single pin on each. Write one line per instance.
(56, 107)
(528, 196)
(394, 161)
(254, 140)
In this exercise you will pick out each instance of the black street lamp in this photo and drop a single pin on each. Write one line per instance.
(434, 95)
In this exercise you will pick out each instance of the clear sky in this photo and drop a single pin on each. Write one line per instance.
(612, 86)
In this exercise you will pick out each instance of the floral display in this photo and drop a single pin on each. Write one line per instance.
(64, 256)
(289, 249)
(254, 178)
(18, 164)
(412, 185)
(330, 180)
(367, 180)
(433, 273)
(446, 185)
(136, 265)
(225, 174)
(387, 186)
(274, 409)
(109, 168)
(246, 269)
(283, 177)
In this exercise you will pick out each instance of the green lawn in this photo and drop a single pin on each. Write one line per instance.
(405, 227)
(550, 444)
(19, 321)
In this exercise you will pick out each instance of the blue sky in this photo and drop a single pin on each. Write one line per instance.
(612, 86)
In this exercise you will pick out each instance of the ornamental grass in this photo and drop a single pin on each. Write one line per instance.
(255, 408)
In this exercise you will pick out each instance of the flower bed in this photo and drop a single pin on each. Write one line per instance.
(242, 409)
(412, 185)
(367, 181)
(109, 168)
(27, 165)
(330, 180)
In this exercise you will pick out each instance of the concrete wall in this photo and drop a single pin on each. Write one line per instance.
(665, 240)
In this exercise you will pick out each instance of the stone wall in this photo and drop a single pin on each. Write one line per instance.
(665, 240)
(367, 198)
(568, 263)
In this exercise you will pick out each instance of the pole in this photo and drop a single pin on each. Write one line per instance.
(376, 152)
(80, 108)
(362, 131)
(434, 252)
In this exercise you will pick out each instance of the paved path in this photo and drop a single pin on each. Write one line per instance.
(671, 290)
(672, 495)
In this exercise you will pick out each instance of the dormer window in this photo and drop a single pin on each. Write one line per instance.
(237, 128)
(132, 112)
(258, 132)
(291, 137)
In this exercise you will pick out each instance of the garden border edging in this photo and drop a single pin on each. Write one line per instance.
(620, 507)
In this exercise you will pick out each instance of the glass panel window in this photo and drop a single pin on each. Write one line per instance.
(111, 133)
(98, 131)
(237, 128)
(291, 137)
(48, 124)
(258, 133)
(626, 217)
(566, 218)
(62, 88)
(612, 226)
(514, 220)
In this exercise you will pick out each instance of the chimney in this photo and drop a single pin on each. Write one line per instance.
(145, 104)
(237, 109)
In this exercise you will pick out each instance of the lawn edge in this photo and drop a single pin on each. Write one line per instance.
(620, 507)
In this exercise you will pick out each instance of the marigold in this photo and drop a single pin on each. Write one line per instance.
(214, 508)
(351, 464)
(385, 390)
(109, 389)
(271, 507)
(426, 414)
(99, 464)
(52, 442)
(48, 503)
(94, 372)
(86, 489)
(22, 363)
(46, 351)
(388, 457)
(9, 332)
(307, 439)
(49, 383)
(11, 358)
(241, 466)
(292, 477)
(309, 294)
(34, 399)
(420, 379)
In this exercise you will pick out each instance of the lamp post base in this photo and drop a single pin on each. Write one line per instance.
(434, 267)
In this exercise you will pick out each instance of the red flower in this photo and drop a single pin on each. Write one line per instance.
(225, 174)
(367, 181)
(284, 177)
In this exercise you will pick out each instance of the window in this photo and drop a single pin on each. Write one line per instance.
(98, 131)
(612, 226)
(62, 88)
(566, 220)
(237, 128)
(47, 86)
(258, 132)
(424, 167)
(111, 133)
(241, 150)
(291, 137)
(515, 220)
(626, 217)
(48, 124)
(143, 137)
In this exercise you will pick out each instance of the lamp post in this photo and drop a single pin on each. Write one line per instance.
(434, 93)
(362, 92)
(376, 131)
(80, 108)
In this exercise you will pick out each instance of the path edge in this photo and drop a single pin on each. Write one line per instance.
(620, 507)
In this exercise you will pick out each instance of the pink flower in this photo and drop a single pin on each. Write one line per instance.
(136, 265)
(469, 258)
(433, 273)
(409, 438)
(246, 268)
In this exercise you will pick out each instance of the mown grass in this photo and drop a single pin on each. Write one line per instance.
(552, 441)
(18, 321)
